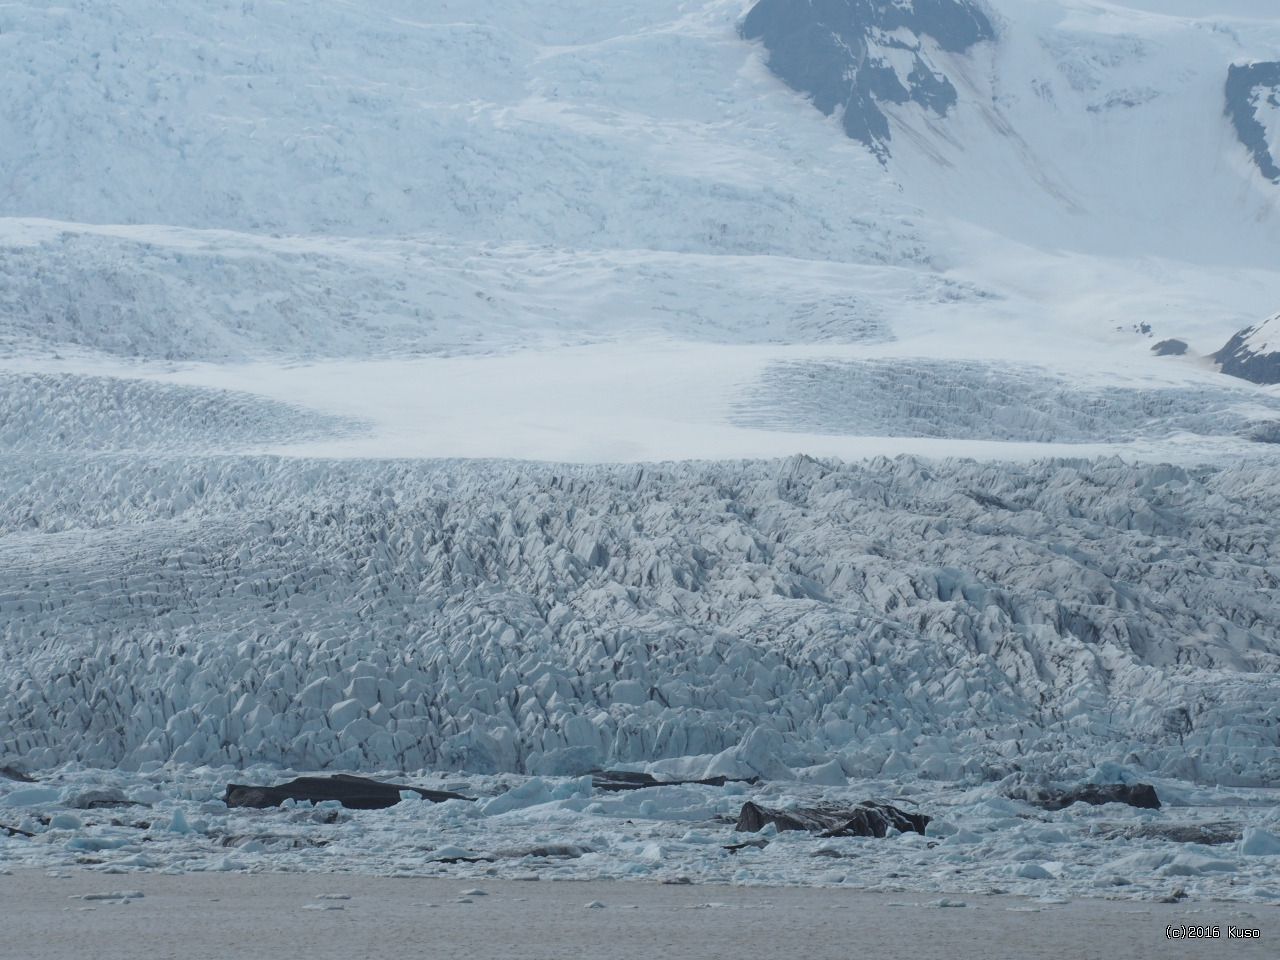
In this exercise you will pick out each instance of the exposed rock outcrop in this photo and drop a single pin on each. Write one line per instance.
(1251, 88)
(1170, 348)
(1254, 353)
(842, 54)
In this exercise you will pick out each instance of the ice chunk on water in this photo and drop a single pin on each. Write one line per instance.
(31, 796)
(1033, 871)
(528, 794)
(1257, 842)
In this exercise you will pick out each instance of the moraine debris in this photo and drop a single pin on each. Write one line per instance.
(614, 781)
(354, 793)
(1142, 795)
(867, 819)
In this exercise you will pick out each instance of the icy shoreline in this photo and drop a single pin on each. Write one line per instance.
(54, 916)
(1205, 844)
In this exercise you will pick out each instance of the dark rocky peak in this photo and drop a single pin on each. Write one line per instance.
(842, 54)
(1170, 348)
(1252, 89)
(1254, 353)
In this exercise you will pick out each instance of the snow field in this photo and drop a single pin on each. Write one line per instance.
(1263, 338)
(638, 125)
(982, 401)
(61, 414)
(153, 293)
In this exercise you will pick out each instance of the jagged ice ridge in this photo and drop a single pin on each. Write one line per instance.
(956, 620)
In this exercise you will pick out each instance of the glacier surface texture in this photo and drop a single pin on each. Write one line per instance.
(477, 394)
(955, 618)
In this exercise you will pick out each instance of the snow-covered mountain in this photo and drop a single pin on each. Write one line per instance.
(412, 145)
(291, 294)
(1254, 353)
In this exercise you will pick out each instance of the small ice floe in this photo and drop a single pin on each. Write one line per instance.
(1034, 871)
(333, 896)
(1257, 842)
(452, 854)
(474, 892)
(138, 861)
(31, 796)
(948, 903)
(99, 798)
(98, 842)
(115, 896)
(179, 824)
(323, 906)
(593, 905)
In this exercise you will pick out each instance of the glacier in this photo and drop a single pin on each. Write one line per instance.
(478, 395)
(971, 618)
(936, 630)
